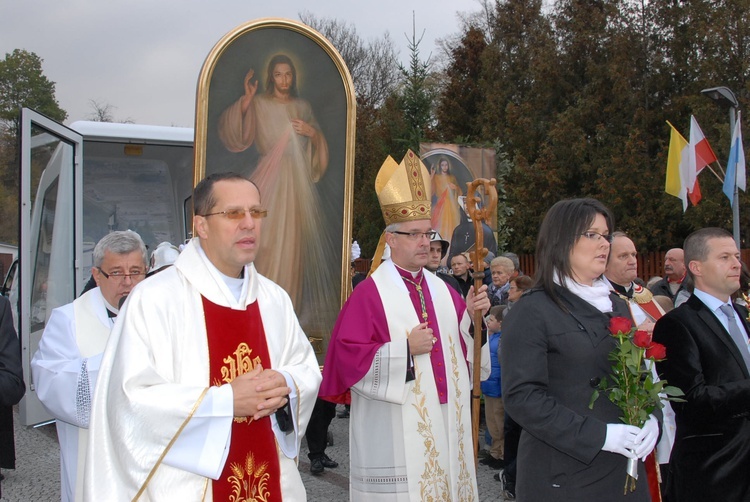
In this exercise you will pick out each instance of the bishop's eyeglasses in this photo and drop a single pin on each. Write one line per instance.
(413, 236)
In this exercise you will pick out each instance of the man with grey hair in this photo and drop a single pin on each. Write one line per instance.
(66, 365)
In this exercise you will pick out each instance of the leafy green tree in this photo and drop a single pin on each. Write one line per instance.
(22, 84)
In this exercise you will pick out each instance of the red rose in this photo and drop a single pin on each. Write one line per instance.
(656, 351)
(620, 324)
(642, 339)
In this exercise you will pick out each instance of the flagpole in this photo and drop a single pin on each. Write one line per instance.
(736, 198)
(724, 96)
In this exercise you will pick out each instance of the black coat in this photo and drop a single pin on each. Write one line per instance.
(551, 361)
(12, 387)
(711, 454)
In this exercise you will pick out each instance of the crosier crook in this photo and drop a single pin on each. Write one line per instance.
(478, 215)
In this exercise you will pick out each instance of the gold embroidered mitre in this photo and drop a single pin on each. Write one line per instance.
(403, 189)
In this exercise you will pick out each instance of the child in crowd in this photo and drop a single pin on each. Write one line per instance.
(494, 413)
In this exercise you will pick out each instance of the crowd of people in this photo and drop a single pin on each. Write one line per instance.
(199, 383)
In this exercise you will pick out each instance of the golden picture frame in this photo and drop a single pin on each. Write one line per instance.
(276, 103)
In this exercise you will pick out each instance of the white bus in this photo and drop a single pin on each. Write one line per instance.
(79, 183)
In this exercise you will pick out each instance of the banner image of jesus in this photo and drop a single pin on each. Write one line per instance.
(294, 156)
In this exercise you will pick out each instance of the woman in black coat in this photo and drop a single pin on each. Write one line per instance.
(555, 350)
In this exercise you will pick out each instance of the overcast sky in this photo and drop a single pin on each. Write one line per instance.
(143, 57)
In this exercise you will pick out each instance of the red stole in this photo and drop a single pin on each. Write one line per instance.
(236, 344)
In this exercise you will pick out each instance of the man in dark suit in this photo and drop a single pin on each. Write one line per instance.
(708, 358)
(12, 387)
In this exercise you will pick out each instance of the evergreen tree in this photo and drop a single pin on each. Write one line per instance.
(461, 101)
(415, 98)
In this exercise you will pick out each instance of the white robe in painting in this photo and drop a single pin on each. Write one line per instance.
(155, 378)
(296, 246)
(65, 369)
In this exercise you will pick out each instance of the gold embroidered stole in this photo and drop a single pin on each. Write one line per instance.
(236, 344)
(439, 451)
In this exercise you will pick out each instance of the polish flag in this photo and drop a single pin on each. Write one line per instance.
(700, 154)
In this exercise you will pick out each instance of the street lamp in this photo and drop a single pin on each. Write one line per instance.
(723, 96)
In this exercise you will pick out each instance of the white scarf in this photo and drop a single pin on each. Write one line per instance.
(597, 294)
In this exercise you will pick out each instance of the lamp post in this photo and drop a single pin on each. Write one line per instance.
(723, 96)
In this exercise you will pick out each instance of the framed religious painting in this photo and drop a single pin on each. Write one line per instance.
(276, 103)
(451, 168)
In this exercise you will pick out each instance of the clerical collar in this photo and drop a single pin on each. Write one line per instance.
(408, 273)
(112, 312)
(237, 286)
(622, 290)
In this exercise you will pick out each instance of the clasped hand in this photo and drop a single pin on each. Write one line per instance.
(631, 441)
(259, 393)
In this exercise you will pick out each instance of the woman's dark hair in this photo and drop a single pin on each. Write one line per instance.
(563, 225)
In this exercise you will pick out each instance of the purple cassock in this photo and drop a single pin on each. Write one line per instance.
(361, 329)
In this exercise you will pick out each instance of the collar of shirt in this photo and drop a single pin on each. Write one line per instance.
(715, 305)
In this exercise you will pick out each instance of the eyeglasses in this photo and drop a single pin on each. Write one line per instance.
(238, 214)
(416, 235)
(119, 275)
(595, 236)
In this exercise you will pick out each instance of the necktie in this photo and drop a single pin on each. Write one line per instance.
(736, 334)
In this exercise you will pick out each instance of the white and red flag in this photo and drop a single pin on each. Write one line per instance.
(700, 154)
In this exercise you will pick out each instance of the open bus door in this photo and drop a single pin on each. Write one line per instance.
(50, 209)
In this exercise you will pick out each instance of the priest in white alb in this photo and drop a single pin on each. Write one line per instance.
(208, 381)
(402, 345)
(66, 365)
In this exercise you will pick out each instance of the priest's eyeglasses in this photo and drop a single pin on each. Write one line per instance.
(120, 275)
(595, 236)
(238, 214)
(413, 236)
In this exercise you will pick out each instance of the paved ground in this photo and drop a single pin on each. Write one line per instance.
(37, 477)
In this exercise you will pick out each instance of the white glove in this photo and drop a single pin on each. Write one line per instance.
(621, 439)
(645, 441)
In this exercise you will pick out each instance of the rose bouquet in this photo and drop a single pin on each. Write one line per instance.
(631, 385)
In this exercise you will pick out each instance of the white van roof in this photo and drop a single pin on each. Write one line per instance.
(132, 133)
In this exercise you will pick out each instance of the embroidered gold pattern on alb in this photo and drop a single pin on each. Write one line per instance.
(433, 484)
(236, 364)
(250, 481)
(465, 488)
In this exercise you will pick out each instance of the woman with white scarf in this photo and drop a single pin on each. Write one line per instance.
(555, 349)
